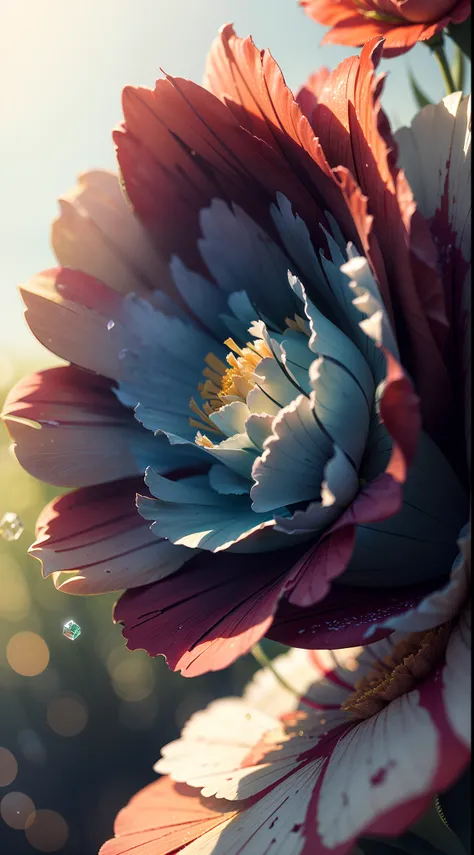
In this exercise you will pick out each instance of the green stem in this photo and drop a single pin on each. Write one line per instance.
(440, 55)
(259, 654)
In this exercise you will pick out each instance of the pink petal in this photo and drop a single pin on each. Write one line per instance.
(97, 534)
(70, 430)
(162, 817)
(97, 232)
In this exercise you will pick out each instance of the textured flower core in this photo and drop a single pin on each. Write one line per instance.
(223, 385)
(411, 660)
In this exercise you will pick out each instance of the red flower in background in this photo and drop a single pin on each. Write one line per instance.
(402, 23)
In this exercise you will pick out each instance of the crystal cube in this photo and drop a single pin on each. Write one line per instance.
(71, 630)
(11, 527)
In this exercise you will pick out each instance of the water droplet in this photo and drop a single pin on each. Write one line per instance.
(301, 631)
(110, 325)
(71, 630)
(122, 353)
(50, 423)
(11, 527)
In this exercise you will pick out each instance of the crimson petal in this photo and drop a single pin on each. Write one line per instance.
(207, 615)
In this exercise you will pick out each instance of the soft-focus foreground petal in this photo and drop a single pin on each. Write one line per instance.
(318, 779)
(435, 153)
(96, 536)
(402, 24)
(98, 233)
(208, 614)
(162, 818)
(69, 429)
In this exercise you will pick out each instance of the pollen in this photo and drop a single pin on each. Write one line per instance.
(410, 661)
(223, 384)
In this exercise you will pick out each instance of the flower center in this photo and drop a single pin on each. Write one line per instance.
(411, 660)
(223, 384)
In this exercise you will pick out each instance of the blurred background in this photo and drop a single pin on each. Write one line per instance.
(82, 722)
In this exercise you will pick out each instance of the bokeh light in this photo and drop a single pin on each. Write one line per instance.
(67, 715)
(17, 810)
(27, 653)
(48, 832)
(8, 767)
(132, 675)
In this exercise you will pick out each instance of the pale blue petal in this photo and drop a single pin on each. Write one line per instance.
(225, 481)
(339, 488)
(291, 468)
(242, 257)
(204, 299)
(340, 406)
(327, 340)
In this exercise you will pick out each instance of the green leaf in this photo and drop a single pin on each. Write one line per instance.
(421, 99)
(461, 35)
(458, 70)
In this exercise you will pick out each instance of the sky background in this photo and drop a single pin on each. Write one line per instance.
(63, 65)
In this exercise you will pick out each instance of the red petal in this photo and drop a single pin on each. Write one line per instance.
(312, 574)
(308, 94)
(207, 615)
(98, 534)
(354, 134)
(82, 436)
(330, 624)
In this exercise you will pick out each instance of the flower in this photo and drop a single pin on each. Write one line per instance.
(368, 738)
(402, 23)
(295, 431)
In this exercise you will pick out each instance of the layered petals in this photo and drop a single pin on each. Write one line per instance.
(402, 23)
(302, 771)
(96, 537)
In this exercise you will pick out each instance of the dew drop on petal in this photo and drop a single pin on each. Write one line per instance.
(11, 527)
(110, 325)
(122, 353)
(71, 630)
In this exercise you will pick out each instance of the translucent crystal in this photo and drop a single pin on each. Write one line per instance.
(71, 630)
(11, 527)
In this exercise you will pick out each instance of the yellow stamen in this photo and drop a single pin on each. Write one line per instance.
(411, 660)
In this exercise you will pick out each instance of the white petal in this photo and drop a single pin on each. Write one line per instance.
(377, 765)
(273, 824)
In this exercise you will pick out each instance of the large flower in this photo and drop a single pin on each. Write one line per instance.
(369, 737)
(402, 23)
(295, 429)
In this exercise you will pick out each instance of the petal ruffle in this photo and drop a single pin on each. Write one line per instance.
(97, 534)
